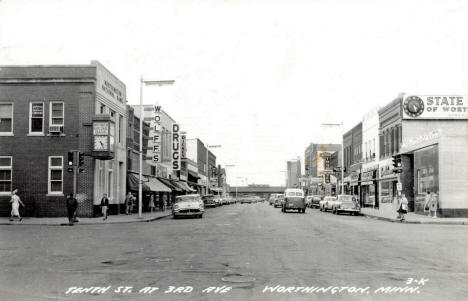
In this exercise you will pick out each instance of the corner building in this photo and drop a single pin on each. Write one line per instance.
(45, 112)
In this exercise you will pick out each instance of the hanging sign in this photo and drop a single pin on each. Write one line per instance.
(156, 133)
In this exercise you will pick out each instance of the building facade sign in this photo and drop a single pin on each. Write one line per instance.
(183, 145)
(414, 141)
(175, 155)
(156, 131)
(435, 107)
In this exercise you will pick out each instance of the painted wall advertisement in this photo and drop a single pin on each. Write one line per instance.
(435, 107)
(175, 154)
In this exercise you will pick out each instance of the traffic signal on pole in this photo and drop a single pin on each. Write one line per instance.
(70, 162)
(81, 159)
(327, 178)
(397, 166)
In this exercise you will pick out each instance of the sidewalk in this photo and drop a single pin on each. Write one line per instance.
(412, 218)
(111, 219)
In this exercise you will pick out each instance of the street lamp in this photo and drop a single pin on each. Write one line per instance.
(207, 167)
(140, 178)
(342, 152)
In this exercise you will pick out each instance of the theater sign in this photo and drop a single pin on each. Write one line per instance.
(435, 107)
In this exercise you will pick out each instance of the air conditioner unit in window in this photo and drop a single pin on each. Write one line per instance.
(55, 129)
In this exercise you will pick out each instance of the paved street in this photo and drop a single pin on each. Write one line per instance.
(246, 247)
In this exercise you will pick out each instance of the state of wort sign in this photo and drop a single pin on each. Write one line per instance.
(175, 147)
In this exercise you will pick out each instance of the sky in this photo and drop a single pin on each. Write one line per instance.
(257, 77)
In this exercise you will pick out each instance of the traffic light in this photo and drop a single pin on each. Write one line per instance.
(70, 162)
(327, 178)
(397, 166)
(81, 159)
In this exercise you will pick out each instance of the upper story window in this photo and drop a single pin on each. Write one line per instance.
(6, 118)
(55, 176)
(57, 114)
(6, 167)
(36, 118)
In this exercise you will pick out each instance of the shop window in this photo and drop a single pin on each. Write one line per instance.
(55, 175)
(6, 169)
(36, 118)
(6, 118)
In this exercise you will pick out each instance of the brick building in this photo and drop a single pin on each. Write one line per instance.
(45, 112)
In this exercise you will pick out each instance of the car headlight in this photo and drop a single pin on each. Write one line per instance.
(176, 207)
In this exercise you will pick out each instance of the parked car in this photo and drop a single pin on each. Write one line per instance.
(271, 200)
(188, 205)
(209, 201)
(294, 200)
(346, 203)
(326, 203)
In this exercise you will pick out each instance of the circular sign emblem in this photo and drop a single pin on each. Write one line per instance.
(413, 106)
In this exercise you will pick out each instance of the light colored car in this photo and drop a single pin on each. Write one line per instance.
(326, 203)
(294, 200)
(188, 205)
(278, 200)
(346, 203)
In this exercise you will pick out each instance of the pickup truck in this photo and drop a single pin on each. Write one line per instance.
(345, 203)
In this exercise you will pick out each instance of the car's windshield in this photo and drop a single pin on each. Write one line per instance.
(294, 193)
(347, 198)
(187, 199)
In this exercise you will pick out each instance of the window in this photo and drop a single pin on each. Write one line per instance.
(102, 109)
(6, 118)
(153, 170)
(56, 175)
(56, 113)
(36, 118)
(5, 175)
(121, 120)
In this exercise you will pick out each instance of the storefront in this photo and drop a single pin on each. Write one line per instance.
(387, 185)
(369, 186)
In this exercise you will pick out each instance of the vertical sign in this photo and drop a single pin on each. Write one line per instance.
(156, 127)
(183, 145)
(175, 156)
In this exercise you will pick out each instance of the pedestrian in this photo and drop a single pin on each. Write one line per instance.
(151, 204)
(433, 205)
(15, 202)
(104, 205)
(129, 203)
(427, 200)
(402, 207)
(72, 204)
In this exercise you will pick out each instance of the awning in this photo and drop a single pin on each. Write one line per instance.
(155, 185)
(169, 184)
(185, 186)
(193, 174)
(132, 183)
(216, 189)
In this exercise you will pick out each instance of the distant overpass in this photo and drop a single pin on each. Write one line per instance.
(261, 191)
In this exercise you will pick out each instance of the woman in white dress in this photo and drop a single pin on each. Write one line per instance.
(15, 202)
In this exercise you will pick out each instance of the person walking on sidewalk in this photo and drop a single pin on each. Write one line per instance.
(15, 202)
(129, 203)
(402, 207)
(427, 200)
(104, 205)
(72, 204)
(151, 205)
(433, 206)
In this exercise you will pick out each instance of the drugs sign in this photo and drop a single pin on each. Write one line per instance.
(175, 156)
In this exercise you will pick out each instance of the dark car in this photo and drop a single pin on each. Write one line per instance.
(209, 201)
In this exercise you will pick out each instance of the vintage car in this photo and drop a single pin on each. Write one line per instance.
(209, 201)
(271, 200)
(346, 203)
(315, 201)
(294, 200)
(278, 200)
(188, 205)
(326, 203)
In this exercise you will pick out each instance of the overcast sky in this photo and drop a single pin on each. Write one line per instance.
(257, 77)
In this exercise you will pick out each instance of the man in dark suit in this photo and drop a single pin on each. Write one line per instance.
(104, 205)
(72, 204)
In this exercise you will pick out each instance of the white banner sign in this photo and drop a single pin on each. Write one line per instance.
(175, 156)
(435, 107)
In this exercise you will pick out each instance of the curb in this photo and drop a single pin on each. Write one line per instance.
(392, 220)
(146, 220)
